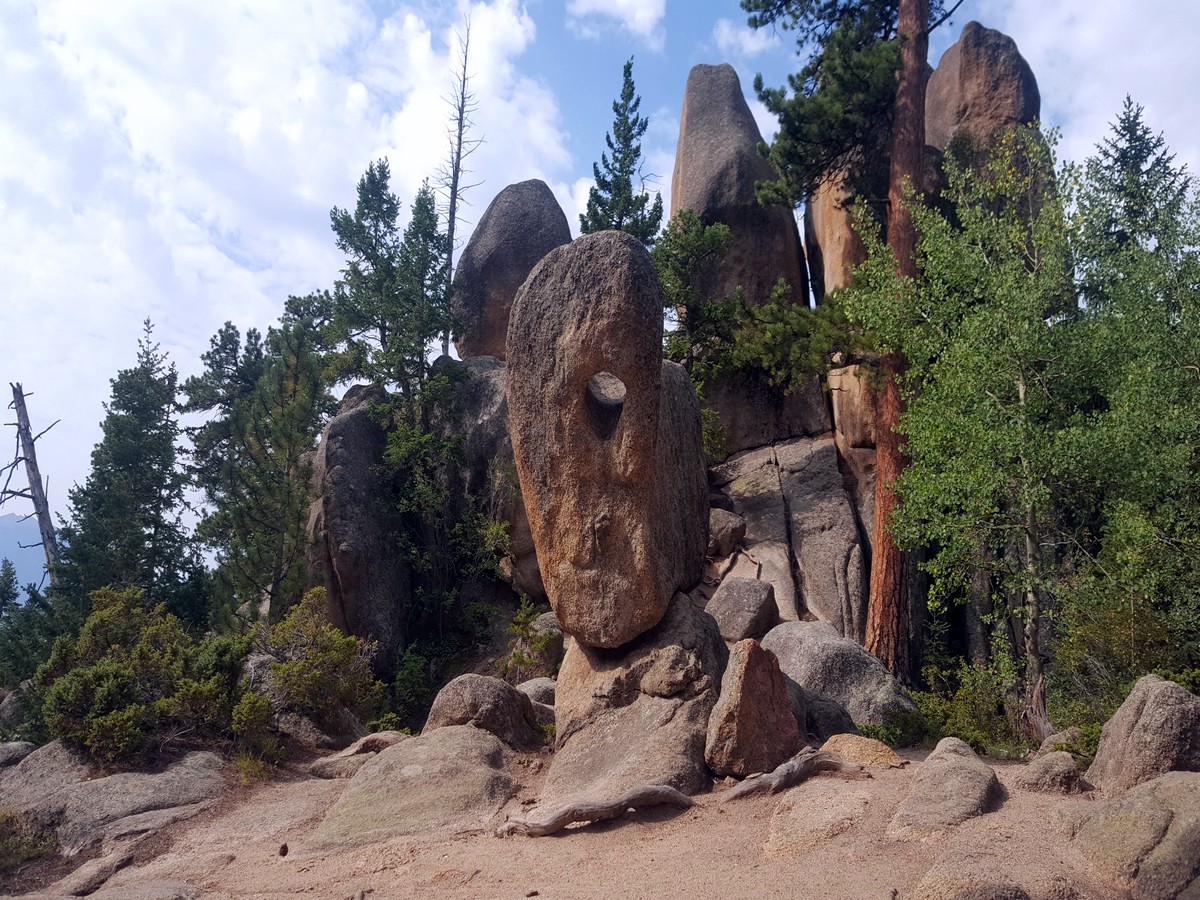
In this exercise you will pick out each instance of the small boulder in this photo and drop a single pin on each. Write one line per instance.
(820, 717)
(743, 608)
(752, 728)
(725, 532)
(951, 786)
(1054, 773)
(971, 875)
(12, 714)
(1156, 730)
(346, 763)
(539, 690)
(1060, 740)
(812, 813)
(638, 715)
(520, 226)
(12, 752)
(447, 775)
(816, 657)
(1146, 841)
(488, 703)
(865, 751)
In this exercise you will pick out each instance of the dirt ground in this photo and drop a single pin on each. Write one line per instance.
(828, 841)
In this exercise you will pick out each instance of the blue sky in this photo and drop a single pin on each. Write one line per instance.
(179, 160)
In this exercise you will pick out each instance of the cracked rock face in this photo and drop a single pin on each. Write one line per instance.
(802, 531)
(606, 438)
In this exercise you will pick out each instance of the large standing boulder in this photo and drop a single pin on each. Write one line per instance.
(833, 246)
(487, 703)
(1156, 730)
(637, 715)
(368, 584)
(475, 414)
(951, 786)
(981, 84)
(448, 775)
(1148, 840)
(717, 165)
(606, 437)
(520, 226)
(819, 659)
(752, 728)
(800, 521)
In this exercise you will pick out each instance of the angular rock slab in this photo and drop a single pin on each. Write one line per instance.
(819, 659)
(607, 440)
(950, 787)
(1148, 840)
(488, 703)
(520, 226)
(449, 775)
(743, 608)
(981, 84)
(638, 715)
(752, 728)
(716, 167)
(1156, 730)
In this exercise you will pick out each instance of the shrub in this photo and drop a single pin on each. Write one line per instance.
(134, 676)
(527, 649)
(319, 670)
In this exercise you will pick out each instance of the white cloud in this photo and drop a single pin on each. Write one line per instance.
(736, 40)
(642, 18)
(178, 161)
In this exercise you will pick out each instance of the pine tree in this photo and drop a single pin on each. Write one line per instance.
(612, 203)
(250, 459)
(124, 524)
(9, 592)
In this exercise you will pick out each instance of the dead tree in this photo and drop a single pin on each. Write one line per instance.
(35, 492)
(450, 184)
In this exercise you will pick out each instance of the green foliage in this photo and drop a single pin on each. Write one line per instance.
(250, 767)
(9, 593)
(124, 525)
(412, 691)
(612, 203)
(319, 670)
(391, 301)
(251, 458)
(134, 677)
(526, 649)
(22, 841)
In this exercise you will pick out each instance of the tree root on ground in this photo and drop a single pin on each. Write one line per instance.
(558, 818)
(804, 764)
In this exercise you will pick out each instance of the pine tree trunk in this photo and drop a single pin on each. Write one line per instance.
(888, 605)
(37, 492)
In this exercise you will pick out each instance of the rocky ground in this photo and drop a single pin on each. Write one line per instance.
(827, 837)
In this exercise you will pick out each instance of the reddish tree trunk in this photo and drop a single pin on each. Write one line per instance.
(888, 609)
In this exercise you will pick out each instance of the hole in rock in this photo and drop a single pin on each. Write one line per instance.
(604, 399)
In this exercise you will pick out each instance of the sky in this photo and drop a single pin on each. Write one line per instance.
(178, 161)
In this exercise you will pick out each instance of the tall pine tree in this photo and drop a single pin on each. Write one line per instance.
(124, 526)
(612, 203)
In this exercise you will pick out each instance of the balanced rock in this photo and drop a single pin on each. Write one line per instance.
(752, 728)
(717, 165)
(606, 437)
(817, 658)
(448, 775)
(638, 715)
(1052, 773)
(1156, 730)
(743, 608)
(951, 786)
(1148, 840)
(981, 84)
(520, 226)
(488, 703)
(351, 551)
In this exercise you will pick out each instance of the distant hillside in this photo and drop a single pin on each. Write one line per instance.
(31, 564)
